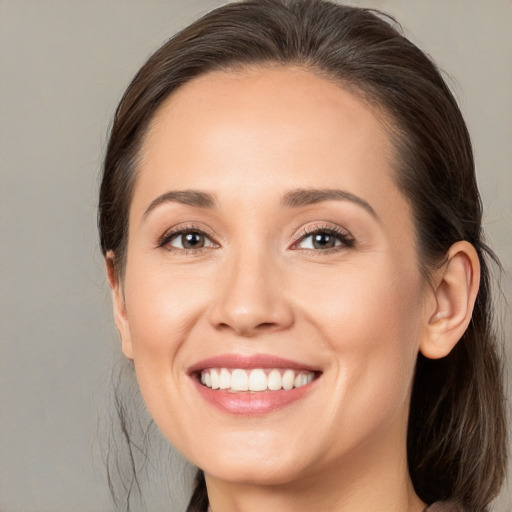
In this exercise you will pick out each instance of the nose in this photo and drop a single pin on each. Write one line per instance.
(250, 298)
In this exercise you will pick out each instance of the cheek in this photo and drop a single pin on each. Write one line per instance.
(162, 309)
(370, 304)
(162, 306)
(371, 322)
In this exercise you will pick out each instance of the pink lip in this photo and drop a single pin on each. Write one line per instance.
(250, 403)
(250, 361)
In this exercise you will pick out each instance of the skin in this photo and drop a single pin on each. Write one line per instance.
(359, 312)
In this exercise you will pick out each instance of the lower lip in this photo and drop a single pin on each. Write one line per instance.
(251, 403)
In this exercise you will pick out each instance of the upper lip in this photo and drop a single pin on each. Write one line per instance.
(251, 361)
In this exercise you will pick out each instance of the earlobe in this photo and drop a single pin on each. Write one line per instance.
(119, 306)
(455, 291)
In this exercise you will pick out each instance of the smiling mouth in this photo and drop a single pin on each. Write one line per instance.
(253, 384)
(237, 380)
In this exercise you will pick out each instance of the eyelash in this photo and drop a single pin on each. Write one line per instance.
(173, 233)
(347, 241)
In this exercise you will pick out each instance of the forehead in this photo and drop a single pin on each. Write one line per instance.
(262, 130)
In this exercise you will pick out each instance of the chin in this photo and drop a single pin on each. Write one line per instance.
(268, 462)
(254, 474)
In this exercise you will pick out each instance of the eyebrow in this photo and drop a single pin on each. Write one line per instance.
(304, 197)
(188, 197)
(292, 199)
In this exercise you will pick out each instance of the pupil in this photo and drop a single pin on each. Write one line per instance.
(322, 240)
(192, 240)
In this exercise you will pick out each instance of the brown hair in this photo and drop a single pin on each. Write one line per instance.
(456, 433)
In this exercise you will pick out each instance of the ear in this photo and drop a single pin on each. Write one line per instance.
(455, 290)
(118, 301)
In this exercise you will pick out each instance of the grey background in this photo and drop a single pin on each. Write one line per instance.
(63, 67)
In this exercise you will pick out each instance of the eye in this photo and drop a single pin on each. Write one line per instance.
(186, 239)
(323, 239)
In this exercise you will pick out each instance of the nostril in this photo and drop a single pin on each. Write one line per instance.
(265, 325)
(248, 329)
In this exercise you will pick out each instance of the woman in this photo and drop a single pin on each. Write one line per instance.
(292, 234)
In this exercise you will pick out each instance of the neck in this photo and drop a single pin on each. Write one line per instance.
(373, 477)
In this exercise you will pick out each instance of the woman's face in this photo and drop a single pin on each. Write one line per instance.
(269, 247)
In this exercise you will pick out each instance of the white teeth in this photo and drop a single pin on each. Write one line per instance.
(288, 378)
(257, 380)
(254, 380)
(215, 379)
(274, 380)
(225, 379)
(239, 380)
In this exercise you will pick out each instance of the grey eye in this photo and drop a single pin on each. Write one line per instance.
(320, 240)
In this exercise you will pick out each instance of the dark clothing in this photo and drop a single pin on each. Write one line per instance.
(444, 506)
